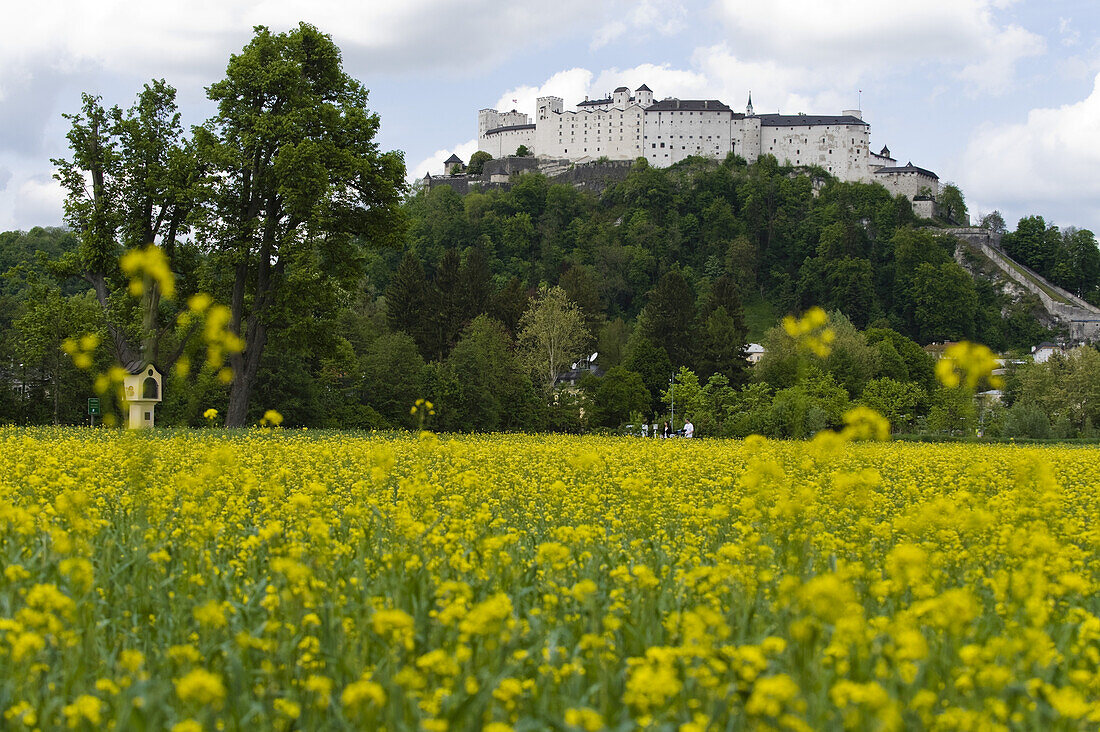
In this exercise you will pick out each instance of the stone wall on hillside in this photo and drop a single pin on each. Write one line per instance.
(1081, 318)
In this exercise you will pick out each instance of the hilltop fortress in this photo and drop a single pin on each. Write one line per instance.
(627, 126)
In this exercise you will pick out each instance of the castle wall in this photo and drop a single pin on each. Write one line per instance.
(614, 132)
(505, 142)
(746, 138)
(842, 150)
(907, 182)
(669, 136)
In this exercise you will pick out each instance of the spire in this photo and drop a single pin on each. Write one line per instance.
(748, 109)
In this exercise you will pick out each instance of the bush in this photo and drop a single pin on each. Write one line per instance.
(1026, 420)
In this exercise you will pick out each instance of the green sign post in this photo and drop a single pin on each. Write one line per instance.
(93, 409)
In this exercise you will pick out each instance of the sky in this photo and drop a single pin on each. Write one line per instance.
(1001, 98)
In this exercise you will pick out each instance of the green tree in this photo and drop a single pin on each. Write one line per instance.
(552, 335)
(616, 396)
(393, 378)
(669, 318)
(895, 400)
(686, 396)
(298, 181)
(933, 286)
(644, 357)
(477, 162)
(953, 205)
(522, 152)
(487, 386)
(953, 411)
(407, 299)
(723, 347)
(49, 378)
(132, 181)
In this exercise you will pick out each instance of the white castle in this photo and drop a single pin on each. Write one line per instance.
(626, 127)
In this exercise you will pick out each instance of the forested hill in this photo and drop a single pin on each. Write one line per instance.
(781, 240)
(670, 268)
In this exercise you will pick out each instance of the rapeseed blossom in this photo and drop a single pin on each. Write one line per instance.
(282, 579)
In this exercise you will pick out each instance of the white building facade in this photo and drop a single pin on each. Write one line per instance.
(626, 126)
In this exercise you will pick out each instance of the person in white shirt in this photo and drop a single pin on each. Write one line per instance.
(689, 429)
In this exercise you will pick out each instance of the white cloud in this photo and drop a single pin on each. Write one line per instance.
(871, 36)
(644, 19)
(716, 74)
(5, 176)
(434, 163)
(1046, 164)
(39, 201)
(192, 41)
(571, 85)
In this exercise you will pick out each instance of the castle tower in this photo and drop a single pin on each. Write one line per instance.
(620, 97)
(643, 95)
(487, 119)
(452, 165)
(548, 106)
(748, 107)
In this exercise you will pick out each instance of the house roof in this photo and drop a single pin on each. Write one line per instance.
(754, 348)
(136, 367)
(594, 102)
(688, 105)
(643, 87)
(453, 159)
(621, 89)
(907, 168)
(807, 120)
(509, 128)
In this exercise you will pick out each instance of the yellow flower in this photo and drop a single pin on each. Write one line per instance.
(201, 687)
(287, 708)
(86, 708)
(587, 719)
(362, 694)
(967, 363)
(271, 417)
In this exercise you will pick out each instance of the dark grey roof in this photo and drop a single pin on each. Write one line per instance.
(621, 88)
(806, 120)
(908, 168)
(508, 128)
(453, 159)
(591, 102)
(643, 87)
(885, 152)
(136, 367)
(688, 105)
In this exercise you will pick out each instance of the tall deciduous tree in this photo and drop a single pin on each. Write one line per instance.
(132, 181)
(552, 334)
(299, 182)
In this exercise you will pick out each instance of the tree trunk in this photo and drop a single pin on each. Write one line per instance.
(245, 367)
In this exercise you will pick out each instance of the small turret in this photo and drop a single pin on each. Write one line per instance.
(452, 165)
(748, 107)
(885, 152)
(643, 95)
(621, 97)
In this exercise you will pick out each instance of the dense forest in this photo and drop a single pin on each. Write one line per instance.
(666, 270)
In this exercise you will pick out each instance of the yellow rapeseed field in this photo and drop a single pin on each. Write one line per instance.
(292, 579)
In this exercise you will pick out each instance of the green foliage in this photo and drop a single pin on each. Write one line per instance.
(615, 396)
(1025, 420)
(477, 162)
